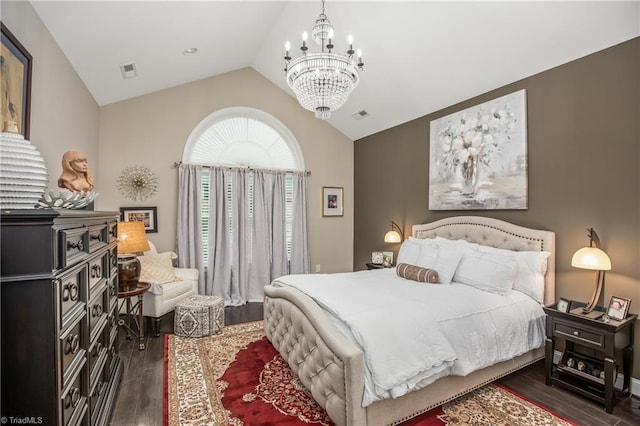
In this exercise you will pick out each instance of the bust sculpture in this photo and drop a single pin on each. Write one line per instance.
(75, 172)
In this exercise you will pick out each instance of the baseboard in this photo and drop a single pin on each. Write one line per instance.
(635, 383)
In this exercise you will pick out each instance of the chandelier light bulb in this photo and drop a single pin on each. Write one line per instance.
(350, 39)
(331, 33)
(359, 53)
(287, 46)
(304, 36)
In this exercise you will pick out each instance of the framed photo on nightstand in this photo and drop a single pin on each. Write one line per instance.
(618, 308)
(563, 305)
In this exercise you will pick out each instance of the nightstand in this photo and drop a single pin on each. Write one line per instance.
(590, 362)
(371, 266)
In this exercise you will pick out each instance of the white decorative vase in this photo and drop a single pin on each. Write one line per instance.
(23, 173)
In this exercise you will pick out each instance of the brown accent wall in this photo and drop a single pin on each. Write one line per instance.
(583, 149)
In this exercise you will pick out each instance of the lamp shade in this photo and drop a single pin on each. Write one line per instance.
(132, 237)
(392, 237)
(591, 258)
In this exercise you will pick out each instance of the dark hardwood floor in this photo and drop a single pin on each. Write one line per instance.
(139, 400)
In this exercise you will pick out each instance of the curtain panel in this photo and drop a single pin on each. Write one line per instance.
(248, 228)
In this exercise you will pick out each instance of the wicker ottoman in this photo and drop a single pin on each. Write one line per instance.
(199, 316)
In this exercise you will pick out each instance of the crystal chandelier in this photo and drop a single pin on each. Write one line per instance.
(323, 81)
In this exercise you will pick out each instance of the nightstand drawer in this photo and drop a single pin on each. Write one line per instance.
(578, 334)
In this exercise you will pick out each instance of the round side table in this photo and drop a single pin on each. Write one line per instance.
(133, 312)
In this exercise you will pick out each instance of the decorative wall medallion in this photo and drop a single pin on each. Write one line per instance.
(137, 183)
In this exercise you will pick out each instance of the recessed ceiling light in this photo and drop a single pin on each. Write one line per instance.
(190, 51)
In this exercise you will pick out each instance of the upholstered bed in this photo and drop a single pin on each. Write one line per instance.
(332, 367)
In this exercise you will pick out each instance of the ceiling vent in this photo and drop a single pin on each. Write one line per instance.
(128, 70)
(360, 115)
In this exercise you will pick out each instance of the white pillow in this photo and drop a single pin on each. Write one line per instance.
(532, 266)
(157, 268)
(409, 251)
(443, 259)
(448, 261)
(489, 271)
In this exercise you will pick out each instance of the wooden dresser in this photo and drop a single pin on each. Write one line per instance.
(58, 300)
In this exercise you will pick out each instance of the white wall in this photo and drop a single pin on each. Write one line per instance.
(64, 115)
(151, 130)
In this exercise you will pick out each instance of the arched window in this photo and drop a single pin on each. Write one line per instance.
(243, 137)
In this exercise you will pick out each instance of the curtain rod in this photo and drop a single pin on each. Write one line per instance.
(179, 163)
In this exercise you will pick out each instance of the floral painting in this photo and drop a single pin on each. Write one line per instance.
(478, 157)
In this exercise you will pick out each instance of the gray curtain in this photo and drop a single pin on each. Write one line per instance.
(299, 263)
(189, 221)
(268, 242)
(247, 229)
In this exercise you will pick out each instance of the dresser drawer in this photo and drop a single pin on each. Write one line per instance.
(98, 353)
(73, 246)
(98, 309)
(98, 270)
(112, 231)
(72, 294)
(74, 399)
(579, 334)
(72, 348)
(98, 237)
(112, 292)
(113, 262)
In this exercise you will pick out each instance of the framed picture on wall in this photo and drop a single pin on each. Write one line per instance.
(478, 156)
(16, 83)
(148, 215)
(332, 201)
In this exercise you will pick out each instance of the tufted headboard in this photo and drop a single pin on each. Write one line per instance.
(500, 234)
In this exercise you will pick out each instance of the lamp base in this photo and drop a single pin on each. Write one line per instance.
(593, 314)
(128, 272)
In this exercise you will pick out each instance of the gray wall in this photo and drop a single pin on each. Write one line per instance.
(583, 138)
(64, 115)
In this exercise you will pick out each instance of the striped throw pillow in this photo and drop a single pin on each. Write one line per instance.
(416, 273)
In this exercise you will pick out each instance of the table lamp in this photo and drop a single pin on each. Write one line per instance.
(132, 240)
(593, 258)
(395, 235)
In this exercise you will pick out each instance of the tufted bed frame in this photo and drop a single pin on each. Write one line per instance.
(331, 367)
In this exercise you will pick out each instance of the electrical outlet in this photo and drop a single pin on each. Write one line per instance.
(317, 267)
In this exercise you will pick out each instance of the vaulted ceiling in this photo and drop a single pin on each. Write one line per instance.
(420, 56)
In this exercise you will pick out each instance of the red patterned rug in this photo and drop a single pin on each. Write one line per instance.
(238, 378)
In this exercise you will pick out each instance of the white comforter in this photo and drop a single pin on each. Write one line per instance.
(413, 333)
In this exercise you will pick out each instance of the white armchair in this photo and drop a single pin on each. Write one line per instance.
(161, 299)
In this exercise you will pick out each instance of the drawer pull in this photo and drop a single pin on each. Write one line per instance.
(72, 344)
(98, 348)
(96, 271)
(96, 310)
(70, 292)
(97, 237)
(72, 399)
(79, 245)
